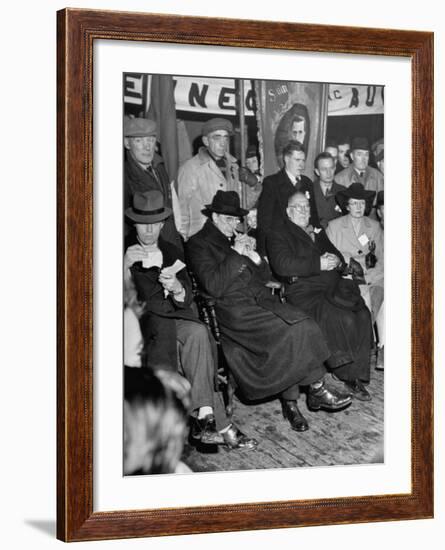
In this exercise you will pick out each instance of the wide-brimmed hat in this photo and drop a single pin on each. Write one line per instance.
(355, 191)
(225, 202)
(148, 207)
(139, 127)
(361, 143)
(217, 124)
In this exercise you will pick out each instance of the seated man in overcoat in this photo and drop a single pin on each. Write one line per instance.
(174, 337)
(311, 269)
(271, 348)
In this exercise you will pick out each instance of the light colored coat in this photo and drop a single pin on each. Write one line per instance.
(372, 179)
(198, 181)
(343, 236)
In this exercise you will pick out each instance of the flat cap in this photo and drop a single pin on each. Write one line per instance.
(361, 143)
(139, 127)
(217, 124)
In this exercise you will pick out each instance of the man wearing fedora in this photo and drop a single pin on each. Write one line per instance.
(213, 168)
(358, 236)
(271, 348)
(277, 189)
(174, 337)
(359, 170)
(144, 169)
(311, 268)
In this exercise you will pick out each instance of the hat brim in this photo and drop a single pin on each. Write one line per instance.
(342, 199)
(208, 210)
(141, 134)
(147, 218)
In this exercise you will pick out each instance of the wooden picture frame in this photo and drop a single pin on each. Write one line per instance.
(77, 31)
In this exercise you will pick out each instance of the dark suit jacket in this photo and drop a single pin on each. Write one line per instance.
(272, 203)
(327, 206)
(160, 312)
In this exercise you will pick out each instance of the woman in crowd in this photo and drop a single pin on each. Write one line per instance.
(359, 237)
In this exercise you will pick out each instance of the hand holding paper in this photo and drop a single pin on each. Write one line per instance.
(168, 278)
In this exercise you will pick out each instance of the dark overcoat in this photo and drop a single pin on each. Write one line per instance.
(136, 179)
(160, 312)
(269, 346)
(272, 203)
(334, 302)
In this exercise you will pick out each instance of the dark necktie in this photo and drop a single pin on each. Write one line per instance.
(152, 172)
(361, 174)
(310, 231)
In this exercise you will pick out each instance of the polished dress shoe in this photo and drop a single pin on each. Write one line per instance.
(235, 439)
(203, 430)
(357, 390)
(292, 413)
(319, 396)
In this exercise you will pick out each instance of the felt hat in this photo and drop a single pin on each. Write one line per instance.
(355, 191)
(217, 124)
(225, 202)
(361, 143)
(139, 127)
(148, 207)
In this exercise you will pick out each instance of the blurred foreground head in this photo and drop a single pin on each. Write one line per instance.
(154, 424)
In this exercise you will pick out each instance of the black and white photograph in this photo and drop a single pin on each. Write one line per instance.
(253, 273)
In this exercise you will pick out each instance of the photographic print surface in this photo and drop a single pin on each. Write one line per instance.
(253, 231)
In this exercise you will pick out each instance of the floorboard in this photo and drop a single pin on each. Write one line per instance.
(352, 436)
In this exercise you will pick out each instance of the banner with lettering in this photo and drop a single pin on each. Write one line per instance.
(192, 94)
(347, 99)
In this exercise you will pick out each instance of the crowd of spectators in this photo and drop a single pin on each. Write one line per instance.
(320, 239)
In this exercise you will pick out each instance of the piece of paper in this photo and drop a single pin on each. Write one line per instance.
(174, 268)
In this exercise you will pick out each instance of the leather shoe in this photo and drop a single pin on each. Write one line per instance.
(235, 439)
(292, 413)
(320, 397)
(204, 430)
(357, 390)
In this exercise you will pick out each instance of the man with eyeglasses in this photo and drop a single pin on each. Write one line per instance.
(311, 268)
(277, 189)
(212, 169)
(271, 347)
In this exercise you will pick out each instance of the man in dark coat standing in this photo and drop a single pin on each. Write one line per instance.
(277, 188)
(144, 170)
(169, 324)
(325, 189)
(311, 268)
(271, 348)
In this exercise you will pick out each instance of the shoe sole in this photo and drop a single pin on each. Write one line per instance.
(300, 430)
(329, 409)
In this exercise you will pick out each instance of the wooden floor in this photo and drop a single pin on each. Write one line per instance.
(352, 436)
